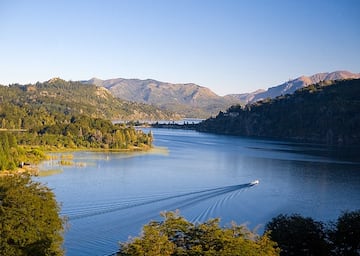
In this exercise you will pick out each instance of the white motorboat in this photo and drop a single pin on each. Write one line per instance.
(255, 182)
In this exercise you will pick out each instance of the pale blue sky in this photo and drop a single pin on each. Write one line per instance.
(229, 46)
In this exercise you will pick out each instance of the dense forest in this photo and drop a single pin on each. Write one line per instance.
(304, 236)
(9, 153)
(176, 236)
(30, 222)
(284, 235)
(327, 112)
(60, 115)
(57, 95)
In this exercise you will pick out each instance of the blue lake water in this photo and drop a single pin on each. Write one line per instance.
(109, 196)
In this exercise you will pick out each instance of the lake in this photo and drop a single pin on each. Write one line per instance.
(109, 196)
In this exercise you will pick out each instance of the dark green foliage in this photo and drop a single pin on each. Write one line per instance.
(297, 235)
(29, 106)
(85, 132)
(29, 218)
(325, 113)
(60, 114)
(345, 234)
(177, 236)
(9, 155)
(12, 156)
(70, 98)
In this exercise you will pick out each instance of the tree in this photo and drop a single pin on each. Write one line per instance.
(319, 113)
(152, 242)
(29, 218)
(176, 236)
(8, 150)
(296, 235)
(345, 236)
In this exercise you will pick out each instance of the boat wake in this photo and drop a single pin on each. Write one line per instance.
(171, 202)
(118, 218)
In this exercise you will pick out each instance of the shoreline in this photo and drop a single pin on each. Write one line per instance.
(33, 168)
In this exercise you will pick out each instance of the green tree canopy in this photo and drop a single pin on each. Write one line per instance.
(8, 151)
(176, 236)
(345, 235)
(297, 235)
(323, 113)
(29, 218)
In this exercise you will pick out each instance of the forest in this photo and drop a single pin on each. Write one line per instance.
(30, 222)
(327, 113)
(73, 97)
(32, 121)
(284, 235)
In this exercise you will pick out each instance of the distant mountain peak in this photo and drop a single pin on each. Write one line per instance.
(192, 100)
(188, 99)
(96, 81)
(291, 86)
(55, 80)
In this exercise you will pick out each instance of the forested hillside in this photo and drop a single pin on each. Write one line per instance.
(292, 85)
(188, 100)
(327, 112)
(60, 115)
(77, 98)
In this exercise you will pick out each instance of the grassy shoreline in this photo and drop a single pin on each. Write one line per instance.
(43, 154)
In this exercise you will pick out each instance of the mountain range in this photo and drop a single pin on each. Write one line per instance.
(76, 98)
(326, 113)
(192, 100)
(188, 100)
(291, 86)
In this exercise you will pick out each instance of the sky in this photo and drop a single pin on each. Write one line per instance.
(229, 46)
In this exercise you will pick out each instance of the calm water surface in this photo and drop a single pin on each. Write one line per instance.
(109, 196)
